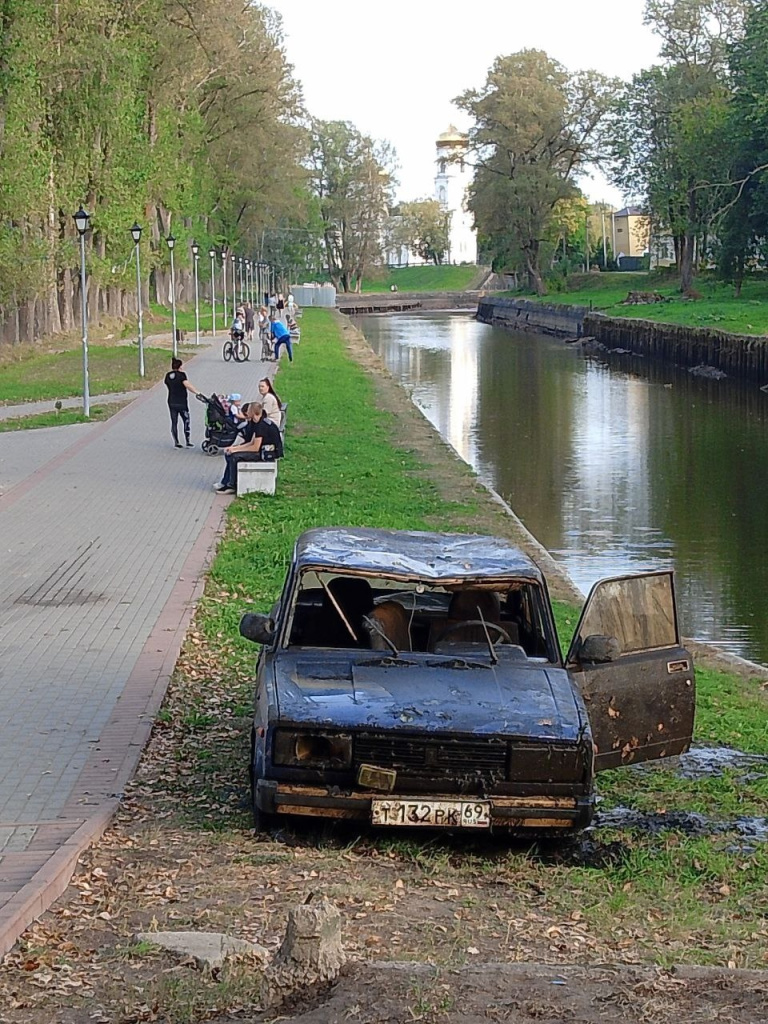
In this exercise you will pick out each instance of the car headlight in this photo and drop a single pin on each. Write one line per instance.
(312, 749)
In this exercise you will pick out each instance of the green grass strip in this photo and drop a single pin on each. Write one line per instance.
(58, 419)
(43, 375)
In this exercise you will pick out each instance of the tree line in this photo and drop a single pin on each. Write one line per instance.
(686, 139)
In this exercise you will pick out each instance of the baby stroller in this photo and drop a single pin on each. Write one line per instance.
(220, 431)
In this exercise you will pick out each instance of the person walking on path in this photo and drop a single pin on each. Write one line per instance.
(250, 322)
(178, 405)
(291, 305)
(261, 442)
(282, 336)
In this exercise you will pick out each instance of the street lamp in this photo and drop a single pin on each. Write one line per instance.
(248, 280)
(170, 242)
(136, 235)
(212, 254)
(233, 258)
(240, 277)
(224, 284)
(196, 257)
(81, 223)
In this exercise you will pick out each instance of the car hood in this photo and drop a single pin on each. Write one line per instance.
(427, 693)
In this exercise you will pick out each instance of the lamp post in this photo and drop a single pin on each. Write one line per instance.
(224, 284)
(212, 254)
(233, 258)
(81, 223)
(136, 235)
(248, 289)
(240, 277)
(196, 257)
(170, 242)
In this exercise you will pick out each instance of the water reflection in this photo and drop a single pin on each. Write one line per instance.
(614, 469)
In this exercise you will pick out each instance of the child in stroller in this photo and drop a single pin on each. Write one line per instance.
(220, 429)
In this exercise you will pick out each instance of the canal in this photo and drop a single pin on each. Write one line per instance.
(614, 469)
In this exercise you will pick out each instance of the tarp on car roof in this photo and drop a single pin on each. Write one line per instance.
(413, 554)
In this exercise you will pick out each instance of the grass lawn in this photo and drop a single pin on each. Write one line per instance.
(425, 279)
(181, 853)
(59, 419)
(43, 375)
(160, 319)
(716, 308)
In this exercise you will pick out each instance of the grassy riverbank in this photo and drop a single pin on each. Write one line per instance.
(715, 308)
(425, 279)
(181, 853)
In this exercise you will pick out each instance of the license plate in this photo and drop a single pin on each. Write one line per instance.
(438, 813)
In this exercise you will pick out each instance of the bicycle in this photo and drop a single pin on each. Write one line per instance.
(236, 348)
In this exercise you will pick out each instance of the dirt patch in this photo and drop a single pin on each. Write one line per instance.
(388, 993)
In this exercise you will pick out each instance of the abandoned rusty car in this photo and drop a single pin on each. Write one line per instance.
(416, 679)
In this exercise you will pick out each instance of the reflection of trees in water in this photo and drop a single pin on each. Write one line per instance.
(607, 465)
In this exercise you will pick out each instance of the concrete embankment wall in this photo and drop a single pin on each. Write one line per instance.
(741, 356)
(538, 317)
(396, 302)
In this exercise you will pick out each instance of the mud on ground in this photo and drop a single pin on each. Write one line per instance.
(393, 993)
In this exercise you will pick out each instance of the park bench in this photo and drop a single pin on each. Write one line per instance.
(256, 477)
(260, 477)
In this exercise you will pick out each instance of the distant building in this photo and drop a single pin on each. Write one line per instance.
(631, 240)
(452, 181)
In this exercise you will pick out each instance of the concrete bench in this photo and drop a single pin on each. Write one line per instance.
(256, 478)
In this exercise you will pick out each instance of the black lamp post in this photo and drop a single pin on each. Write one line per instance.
(81, 219)
(136, 236)
(233, 258)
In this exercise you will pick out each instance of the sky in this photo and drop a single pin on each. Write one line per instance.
(392, 69)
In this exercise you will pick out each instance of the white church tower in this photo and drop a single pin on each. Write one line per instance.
(452, 180)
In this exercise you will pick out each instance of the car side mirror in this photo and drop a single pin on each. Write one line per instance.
(597, 648)
(257, 627)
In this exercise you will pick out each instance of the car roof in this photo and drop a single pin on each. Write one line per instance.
(413, 554)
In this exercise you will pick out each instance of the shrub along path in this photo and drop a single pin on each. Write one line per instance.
(181, 853)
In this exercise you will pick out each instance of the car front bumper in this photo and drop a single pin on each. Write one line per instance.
(512, 813)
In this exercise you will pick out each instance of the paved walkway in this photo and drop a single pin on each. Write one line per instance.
(105, 533)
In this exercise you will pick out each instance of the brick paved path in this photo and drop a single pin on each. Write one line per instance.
(94, 597)
(11, 412)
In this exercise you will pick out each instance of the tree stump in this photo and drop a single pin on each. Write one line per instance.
(311, 954)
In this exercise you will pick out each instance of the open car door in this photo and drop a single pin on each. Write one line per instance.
(635, 678)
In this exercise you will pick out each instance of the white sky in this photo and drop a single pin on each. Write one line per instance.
(393, 68)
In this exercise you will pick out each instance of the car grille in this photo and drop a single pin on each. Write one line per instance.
(430, 758)
(489, 760)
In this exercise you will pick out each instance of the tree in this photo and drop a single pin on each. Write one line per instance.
(669, 137)
(424, 228)
(536, 127)
(352, 178)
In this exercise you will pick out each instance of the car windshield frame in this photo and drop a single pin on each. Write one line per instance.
(407, 581)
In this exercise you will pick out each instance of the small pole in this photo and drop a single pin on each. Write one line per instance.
(605, 240)
(233, 258)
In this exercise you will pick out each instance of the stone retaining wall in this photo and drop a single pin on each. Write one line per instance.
(741, 356)
(539, 317)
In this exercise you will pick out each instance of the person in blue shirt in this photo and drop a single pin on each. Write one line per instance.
(282, 336)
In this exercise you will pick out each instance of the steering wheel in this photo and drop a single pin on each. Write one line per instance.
(502, 634)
